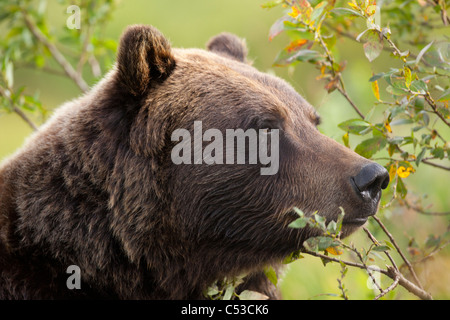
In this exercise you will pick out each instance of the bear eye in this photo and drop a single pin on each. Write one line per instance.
(266, 126)
(316, 119)
(269, 124)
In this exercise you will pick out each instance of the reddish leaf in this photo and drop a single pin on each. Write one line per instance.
(277, 27)
(295, 45)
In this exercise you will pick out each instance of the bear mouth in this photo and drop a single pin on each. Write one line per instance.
(355, 221)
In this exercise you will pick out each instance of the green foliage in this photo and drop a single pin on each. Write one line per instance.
(32, 43)
(412, 120)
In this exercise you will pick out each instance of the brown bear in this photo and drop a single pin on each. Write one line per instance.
(96, 187)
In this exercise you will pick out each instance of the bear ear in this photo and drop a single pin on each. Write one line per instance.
(144, 57)
(229, 45)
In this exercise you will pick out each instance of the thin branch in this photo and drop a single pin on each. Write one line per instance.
(422, 211)
(17, 110)
(367, 270)
(391, 238)
(391, 272)
(433, 106)
(341, 282)
(95, 66)
(346, 96)
(388, 289)
(435, 165)
(432, 253)
(348, 263)
(68, 69)
(340, 87)
(408, 285)
(427, 162)
(376, 243)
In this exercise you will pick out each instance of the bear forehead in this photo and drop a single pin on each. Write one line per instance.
(219, 71)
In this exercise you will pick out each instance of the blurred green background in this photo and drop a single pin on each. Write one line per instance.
(191, 24)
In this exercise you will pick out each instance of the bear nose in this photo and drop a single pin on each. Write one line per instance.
(371, 179)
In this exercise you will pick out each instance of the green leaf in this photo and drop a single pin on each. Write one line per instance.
(271, 275)
(331, 228)
(320, 221)
(293, 257)
(401, 122)
(371, 146)
(228, 292)
(299, 212)
(376, 77)
(285, 57)
(420, 156)
(212, 290)
(390, 245)
(324, 242)
(445, 96)
(271, 4)
(381, 248)
(252, 295)
(298, 223)
(422, 52)
(395, 91)
(419, 86)
(401, 188)
(340, 220)
(318, 10)
(373, 44)
(438, 153)
(354, 126)
(347, 12)
(396, 140)
(312, 244)
(277, 27)
(408, 76)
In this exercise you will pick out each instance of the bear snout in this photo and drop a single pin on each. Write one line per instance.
(370, 180)
(367, 185)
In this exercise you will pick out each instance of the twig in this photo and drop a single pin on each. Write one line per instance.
(391, 272)
(340, 87)
(17, 110)
(433, 106)
(391, 238)
(426, 161)
(436, 165)
(68, 69)
(388, 289)
(341, 282)
(422, 211)
(367, 270)
(376, 243)
(408, 285)
(432, 253)
(346, 96)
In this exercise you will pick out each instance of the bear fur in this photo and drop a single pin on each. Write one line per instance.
(95, 186)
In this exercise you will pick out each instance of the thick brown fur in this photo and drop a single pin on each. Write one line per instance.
(95, 186)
